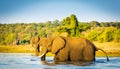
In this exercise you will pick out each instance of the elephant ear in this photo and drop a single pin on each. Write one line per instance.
(58, 43)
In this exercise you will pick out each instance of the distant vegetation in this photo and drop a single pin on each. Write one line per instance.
(21, 33)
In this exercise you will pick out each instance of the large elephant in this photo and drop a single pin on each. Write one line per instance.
(68, 49)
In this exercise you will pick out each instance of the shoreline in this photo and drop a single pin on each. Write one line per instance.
(112, 49)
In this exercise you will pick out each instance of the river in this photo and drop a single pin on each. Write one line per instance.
(26, 61)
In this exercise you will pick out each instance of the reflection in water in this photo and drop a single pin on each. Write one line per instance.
(49, 63)
(26, 61)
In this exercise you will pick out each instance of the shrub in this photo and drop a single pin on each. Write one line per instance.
(117, 35)
(107, 35)
(92, 35)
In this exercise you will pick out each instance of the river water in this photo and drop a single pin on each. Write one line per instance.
(26, 61)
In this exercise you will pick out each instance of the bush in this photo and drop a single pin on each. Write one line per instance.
(10, 38)
(117, 35)
(84, 26)
(92, 35)
(107, 35)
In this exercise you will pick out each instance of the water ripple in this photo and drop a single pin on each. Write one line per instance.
(26, 61)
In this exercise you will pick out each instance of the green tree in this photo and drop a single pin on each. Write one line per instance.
(74, 21)
(70, 25)
(107, 35)
(84, 26)
(42, 33)
(92, 35)
(107, 24)
(117, 35)
(117, 24)
(94, 24)
(10, 38)
(56, 23)
(102, 24)
(112, 24)
(48, 24)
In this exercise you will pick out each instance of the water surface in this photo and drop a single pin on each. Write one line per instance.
(26, 61)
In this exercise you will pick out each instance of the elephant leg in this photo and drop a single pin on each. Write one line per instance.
(62, 55)
(89, 53)
(76, 55)
(43, 58)
(56, 57)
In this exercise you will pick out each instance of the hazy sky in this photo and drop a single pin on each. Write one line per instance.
(12, 11)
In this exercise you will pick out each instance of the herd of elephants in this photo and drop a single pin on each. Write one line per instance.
(65, 48)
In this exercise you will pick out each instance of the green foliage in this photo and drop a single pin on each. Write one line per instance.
(73, 22)
(109, 34)
(70, 25)
(42, 33)
(117, 35)
(84, 26)
(55, 23)
(94, 31)
(94, 24)
(117, 24)
(104, 34)
(93, 35)
(10, 38)
(102, 24)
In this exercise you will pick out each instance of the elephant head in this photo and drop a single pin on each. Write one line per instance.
(50, 45)
(34, 43)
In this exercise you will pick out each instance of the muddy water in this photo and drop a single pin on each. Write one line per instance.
(26, 61)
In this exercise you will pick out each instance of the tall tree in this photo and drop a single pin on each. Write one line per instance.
(71, 25)
(94, 24)
(74, 21)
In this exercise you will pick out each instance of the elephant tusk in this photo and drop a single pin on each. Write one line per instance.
(42, 55)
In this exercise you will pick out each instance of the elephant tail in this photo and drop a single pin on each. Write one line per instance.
(104, 52)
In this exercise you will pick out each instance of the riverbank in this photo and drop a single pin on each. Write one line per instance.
(112, 49)
(18, 49)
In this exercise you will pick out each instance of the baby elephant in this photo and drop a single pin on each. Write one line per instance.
(68, 49)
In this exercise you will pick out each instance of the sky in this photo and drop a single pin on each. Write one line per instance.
(29, 11)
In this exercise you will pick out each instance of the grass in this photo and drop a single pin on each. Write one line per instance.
(16, 49)
(112, 49)
(19, 49)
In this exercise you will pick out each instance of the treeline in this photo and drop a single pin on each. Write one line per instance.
(21, 33)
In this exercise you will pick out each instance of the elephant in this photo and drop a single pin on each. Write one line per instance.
(68, 49)
(34, 43)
